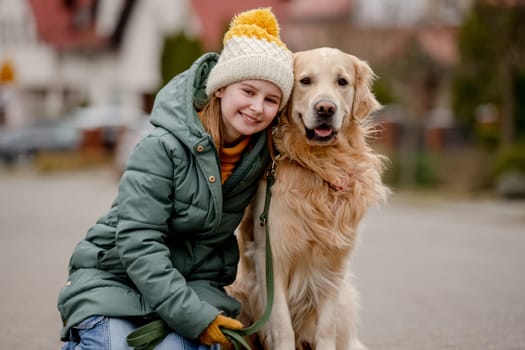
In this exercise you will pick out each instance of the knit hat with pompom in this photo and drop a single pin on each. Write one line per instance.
(253, 50)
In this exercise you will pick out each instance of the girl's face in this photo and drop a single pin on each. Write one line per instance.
(248, 107)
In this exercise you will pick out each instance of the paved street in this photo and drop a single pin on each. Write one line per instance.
(440, 275)
(433, 274)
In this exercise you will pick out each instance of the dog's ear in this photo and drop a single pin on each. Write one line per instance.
(364, 100)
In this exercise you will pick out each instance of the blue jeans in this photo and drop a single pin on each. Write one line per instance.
(109, 333)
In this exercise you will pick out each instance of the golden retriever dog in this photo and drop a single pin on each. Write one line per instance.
(326, 176)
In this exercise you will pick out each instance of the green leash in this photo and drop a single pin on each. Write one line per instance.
(152, 333)
(236, 337)
(148, 336)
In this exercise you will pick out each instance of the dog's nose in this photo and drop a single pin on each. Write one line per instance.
(325, 108)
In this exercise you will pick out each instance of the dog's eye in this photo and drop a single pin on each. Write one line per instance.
(305, 81)
(342, 82)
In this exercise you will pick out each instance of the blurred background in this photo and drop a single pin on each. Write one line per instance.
(78, 78)
(439, 265)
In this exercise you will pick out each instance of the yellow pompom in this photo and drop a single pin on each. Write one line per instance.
(263, 18)
(259, 23)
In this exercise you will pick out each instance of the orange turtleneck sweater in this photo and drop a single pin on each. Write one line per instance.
(230, 156)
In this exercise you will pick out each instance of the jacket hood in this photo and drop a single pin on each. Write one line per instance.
(176, 105)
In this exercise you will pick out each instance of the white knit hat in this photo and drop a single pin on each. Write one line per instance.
(253, 50)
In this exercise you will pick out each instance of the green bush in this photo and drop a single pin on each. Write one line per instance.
(509, 171)
(427, 170)
(383, 92)
(510, 159)
(178, 53)
(414, 169)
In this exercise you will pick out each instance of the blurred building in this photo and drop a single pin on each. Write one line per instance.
(214, 17)
(409, 13)
(411, 45)
(66, 53)
(20, 96)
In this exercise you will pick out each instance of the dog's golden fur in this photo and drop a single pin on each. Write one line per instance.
(326, 178)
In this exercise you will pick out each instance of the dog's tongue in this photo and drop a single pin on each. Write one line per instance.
(323, 132)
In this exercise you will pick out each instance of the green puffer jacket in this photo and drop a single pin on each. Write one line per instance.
(166, 247)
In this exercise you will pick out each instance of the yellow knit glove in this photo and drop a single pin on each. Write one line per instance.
(213, 334)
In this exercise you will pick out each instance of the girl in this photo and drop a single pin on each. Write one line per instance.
(166, 248)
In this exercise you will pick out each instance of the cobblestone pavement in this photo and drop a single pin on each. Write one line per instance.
(432, 274)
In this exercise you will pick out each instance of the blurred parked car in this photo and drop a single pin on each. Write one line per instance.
(27, 141)
(94, 127)
(128, 140)
(110, 120)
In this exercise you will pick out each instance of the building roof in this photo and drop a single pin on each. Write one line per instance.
(307, 24)
(70, 24)
(440, 43)
(65, 26)
(377, 45)
(315, 10)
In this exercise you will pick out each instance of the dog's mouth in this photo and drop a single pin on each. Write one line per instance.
(321, 133)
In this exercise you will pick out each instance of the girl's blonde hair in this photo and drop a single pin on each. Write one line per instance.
(211, 120)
